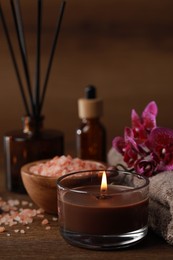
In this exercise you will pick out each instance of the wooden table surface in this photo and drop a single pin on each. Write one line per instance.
(39, 243)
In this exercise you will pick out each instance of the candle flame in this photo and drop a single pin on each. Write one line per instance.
(104, 182)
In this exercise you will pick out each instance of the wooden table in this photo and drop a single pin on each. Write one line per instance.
(38, 243)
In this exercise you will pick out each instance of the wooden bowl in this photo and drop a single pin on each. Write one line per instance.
(42, 189)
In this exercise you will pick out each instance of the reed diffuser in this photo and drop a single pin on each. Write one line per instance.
(32, 142)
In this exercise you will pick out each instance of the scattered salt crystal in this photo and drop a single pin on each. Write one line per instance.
(47, 228)
(30, 204)
(12, 223)
(5, 208)
(54, 219)
(45, 221)
(8, 234)
(17, 218)
(2, 229)
(24, 203)
(28, 213)
(40, 211)
(30, 220)
(13, 202)
(40, 216)
(12, 214)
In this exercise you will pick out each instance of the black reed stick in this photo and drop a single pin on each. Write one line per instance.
(37, 77)
(14, 61)
(58, 26)
(20, 26)
(20, 38)
(36, 106)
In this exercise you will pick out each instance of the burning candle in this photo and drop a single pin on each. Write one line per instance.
(103, 210)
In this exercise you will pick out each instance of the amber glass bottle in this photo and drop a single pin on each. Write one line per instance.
(32, 143)
(91, 134)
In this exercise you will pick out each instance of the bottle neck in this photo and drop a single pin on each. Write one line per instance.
(90, 120)
(32, 126)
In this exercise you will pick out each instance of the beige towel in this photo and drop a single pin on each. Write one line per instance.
(161, 200)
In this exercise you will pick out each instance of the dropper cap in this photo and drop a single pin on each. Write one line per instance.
(90, 106)
(90, 92)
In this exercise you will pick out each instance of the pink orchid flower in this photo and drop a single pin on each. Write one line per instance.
(143, 126)
(146, 148)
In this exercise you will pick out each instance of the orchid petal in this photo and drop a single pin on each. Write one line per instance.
(136, 121)
(149, 116)
(145, 167)
(161, 142)
(161, 136)
(149, 122)
(130, 155)
(151, 108)
(129, 137)
(119, 144)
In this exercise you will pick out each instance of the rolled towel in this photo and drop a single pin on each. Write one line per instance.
(161, 205)
(160, 199)
(114, 158)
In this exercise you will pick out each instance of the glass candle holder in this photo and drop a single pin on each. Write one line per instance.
(114, 217)
(31, 143)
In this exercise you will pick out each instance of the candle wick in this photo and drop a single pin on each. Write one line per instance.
(103, 195)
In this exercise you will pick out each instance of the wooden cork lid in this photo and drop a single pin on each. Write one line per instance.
(90, 106)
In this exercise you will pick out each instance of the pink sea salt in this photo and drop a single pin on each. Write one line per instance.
(61, 165)
(12, 214)
(2, 229)
(47, 228)
(45, 221)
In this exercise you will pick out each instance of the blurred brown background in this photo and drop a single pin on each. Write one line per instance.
(123, 47)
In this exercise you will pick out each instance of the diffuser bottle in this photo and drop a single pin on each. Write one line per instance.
(32, 143)
(91, 134)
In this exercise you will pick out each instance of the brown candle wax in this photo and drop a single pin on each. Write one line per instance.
(119, 210)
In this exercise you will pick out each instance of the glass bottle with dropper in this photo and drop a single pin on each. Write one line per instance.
(91, 134)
